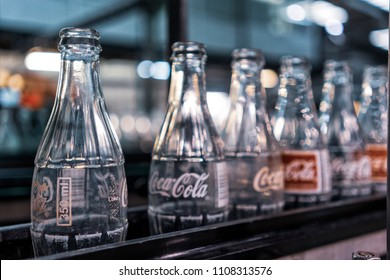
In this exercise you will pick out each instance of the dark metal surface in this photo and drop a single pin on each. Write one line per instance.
(253, 238)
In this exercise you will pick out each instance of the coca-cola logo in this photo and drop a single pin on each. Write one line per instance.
(266, 180)
(301, 170)
(352, 170)
(188, 185)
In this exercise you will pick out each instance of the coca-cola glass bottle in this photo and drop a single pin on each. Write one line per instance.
(79, 190)
(252, 154)
(188, 183)
(351, 169)
(304, 153)
(373, 121)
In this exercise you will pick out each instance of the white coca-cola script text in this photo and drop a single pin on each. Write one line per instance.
(266, 180)
(188, 185)
(352, 170)
(301, 170)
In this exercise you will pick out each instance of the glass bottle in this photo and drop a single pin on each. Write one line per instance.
(304, 153)
(373, 121)
(188, 184)
(251, 151)
(79, 190)
(351, 169)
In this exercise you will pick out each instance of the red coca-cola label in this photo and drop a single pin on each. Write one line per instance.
(301, 172)
(377, 154)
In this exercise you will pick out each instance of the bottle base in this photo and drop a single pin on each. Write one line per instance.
(379, 188)
(306, 200)
(48, 242)
(341, 192)
(169, 222)
(240, 210)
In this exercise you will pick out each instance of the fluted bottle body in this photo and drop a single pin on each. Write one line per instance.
(79, 190)
(305, 155)
(252, 154)
(188, 184)
(373, 122)
(351, 168)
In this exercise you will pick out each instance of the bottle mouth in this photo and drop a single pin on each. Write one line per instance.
(289, 62)
(190, 49)
(375, 71)
(85, 38)
(336, 65)
(255, 55)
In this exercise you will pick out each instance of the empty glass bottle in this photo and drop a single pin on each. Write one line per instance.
(304, 154)
(351, 170)
(373, 121)
(79, 190)
(251, 151)
(188, 184)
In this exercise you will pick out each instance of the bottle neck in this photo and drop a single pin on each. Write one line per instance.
(245, 87)
(79, 76)
(342, 87)
(295, 90)
(188, 82)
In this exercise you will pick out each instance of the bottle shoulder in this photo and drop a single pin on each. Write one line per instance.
(79, 136)
(188, 133)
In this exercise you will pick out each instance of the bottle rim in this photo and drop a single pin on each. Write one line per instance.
(333, 64)
(189, 47)
(375, 70)
(293, 61)
(250, 54)
(79, 32)
(86, 38)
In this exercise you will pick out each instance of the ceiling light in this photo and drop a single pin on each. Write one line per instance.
(382, 4)
(318, 12)
(334, 27)
(161, 70)
(321, 12)
(43, 61)
(145, 69)
(380, 38)
(269, 78)
(296, 12)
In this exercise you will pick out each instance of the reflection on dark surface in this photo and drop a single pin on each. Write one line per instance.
(252, 238)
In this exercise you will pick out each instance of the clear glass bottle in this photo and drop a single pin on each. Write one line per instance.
(188, 183)
(350, 165)
(252, 154)
(79, 190)
(304, 153)
(373, 121)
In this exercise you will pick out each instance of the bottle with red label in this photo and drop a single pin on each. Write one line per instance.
(373, 121)
(351, 168)
(188, 182)
(251, 151)
(305, 156)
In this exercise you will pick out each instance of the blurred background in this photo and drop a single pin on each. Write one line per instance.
(136, 36)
